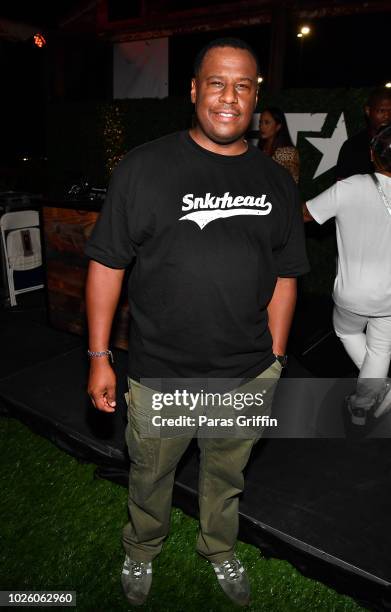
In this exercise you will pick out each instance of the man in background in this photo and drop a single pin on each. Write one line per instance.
(354, 156)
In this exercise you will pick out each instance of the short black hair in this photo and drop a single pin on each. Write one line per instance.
(377, 95)
(234, 43)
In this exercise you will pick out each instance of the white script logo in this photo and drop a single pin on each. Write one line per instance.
(207, 209)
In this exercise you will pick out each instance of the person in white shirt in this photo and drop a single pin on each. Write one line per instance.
(361, 205)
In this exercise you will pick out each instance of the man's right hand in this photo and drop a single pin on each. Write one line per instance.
(101, 385)
(103, 289)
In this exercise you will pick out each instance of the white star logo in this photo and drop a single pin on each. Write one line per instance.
(304, 122)
(329, 147)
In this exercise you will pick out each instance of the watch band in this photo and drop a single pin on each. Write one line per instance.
(282, 359)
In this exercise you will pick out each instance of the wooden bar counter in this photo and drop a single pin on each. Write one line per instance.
(66, 229)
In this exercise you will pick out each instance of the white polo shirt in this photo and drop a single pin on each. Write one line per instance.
(363, 282)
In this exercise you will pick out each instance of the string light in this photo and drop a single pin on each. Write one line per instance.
(304, 31)
(39, 40)
(113, 135)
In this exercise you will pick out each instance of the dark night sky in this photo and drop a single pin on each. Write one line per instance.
(349, 51)
(341, 52)
(39, 12)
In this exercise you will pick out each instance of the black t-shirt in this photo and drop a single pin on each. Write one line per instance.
(209, 234)
(354, 156)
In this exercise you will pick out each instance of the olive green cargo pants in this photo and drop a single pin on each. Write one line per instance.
(151, 479)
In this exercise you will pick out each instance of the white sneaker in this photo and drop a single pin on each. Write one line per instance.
(385, 404)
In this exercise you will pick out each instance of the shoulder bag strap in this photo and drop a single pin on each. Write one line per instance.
(383, 196)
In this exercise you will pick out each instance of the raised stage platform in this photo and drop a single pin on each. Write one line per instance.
(323, 503)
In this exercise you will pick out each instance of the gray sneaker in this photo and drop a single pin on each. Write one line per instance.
(358, 414)
(233, 580)
(136, 580)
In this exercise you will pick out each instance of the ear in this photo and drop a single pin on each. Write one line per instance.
(193, 90)
(366, 110)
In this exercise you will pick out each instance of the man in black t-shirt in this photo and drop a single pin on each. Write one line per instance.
(214, 230)
(354, 156)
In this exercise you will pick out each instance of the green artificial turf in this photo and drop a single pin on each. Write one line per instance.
(61, 529)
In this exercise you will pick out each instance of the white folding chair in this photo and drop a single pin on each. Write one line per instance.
(21, 246)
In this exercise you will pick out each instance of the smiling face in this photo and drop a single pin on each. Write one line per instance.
(268, 126)
(225, 94)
